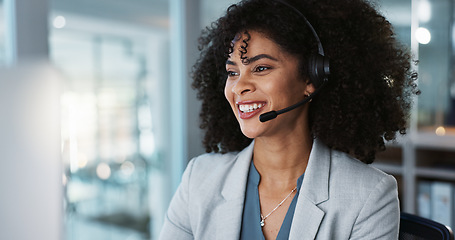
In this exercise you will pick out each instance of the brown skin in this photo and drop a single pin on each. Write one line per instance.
(282, 145)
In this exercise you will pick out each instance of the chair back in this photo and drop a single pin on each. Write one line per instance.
(413, 227)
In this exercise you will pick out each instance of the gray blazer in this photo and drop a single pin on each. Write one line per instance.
(340, 198)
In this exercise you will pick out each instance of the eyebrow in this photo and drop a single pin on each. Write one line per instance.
(253, 59)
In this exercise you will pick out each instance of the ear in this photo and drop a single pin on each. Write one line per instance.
(309, 89)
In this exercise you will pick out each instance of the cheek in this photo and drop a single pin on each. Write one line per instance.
(228, 92)
(229, 95)
(294, 87)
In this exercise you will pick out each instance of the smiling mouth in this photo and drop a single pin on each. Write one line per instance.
(246, 108)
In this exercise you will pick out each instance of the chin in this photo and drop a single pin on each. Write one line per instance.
(250, 136)
(250, 132)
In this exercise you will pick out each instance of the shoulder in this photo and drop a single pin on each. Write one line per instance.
(342, 172)
(213, 160)
(217, 164)
(199, 188)
(358, 184)
(210, 165)
(213, 171)
(361, 198)
(370, 195)
(355, 172)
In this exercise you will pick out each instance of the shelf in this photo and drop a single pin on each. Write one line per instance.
(431, 140)
(440, 174)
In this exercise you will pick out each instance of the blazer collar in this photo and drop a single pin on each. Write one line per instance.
(229, 213)
(307, 217)
(315, 185)
(236, 179)
(315, 190)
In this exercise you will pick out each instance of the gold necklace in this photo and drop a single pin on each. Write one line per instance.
(263, 218)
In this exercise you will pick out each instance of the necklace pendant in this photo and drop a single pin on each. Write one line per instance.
(262, 223)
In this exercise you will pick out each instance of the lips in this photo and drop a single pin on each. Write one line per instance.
(249, 109)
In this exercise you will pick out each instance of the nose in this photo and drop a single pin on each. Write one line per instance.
(243, 85)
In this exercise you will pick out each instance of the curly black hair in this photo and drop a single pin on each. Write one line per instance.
(368, 97)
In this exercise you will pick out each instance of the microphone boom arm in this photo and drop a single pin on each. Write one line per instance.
(273, 114)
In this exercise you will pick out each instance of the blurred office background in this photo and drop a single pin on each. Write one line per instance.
(99, 119)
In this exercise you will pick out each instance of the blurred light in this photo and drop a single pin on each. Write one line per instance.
(59, 22)
(147, 143)
(120, 158)
(127, 168)
(62, 146)
(103, 171)
(78, 114)
(440, 131)
(64, 180)
(73, 144)
(423, 36)
(82, 160)
(107, 98)
(424, 11)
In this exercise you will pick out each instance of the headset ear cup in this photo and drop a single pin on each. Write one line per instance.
(318, 70)
(313, 71)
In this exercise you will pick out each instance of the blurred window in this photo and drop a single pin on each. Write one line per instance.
(398, 12)
(113, 67)
(433, 47)
(434, 36)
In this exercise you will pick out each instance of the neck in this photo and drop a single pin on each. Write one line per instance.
(281, 160)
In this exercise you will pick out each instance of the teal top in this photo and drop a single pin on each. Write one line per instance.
(251, 220)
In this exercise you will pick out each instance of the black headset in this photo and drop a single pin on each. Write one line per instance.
(318, 64)
(318, 71)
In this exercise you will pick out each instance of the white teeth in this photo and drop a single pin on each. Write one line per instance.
(250, 107)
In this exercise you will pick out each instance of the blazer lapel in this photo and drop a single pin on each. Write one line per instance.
(315, 190)
(229, 213)
(307, 218)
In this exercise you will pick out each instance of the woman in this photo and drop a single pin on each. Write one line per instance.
(293, 177)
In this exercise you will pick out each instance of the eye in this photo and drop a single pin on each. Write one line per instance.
(261, 68)
(232, 73)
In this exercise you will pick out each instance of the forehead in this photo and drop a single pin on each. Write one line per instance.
(253, 43)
